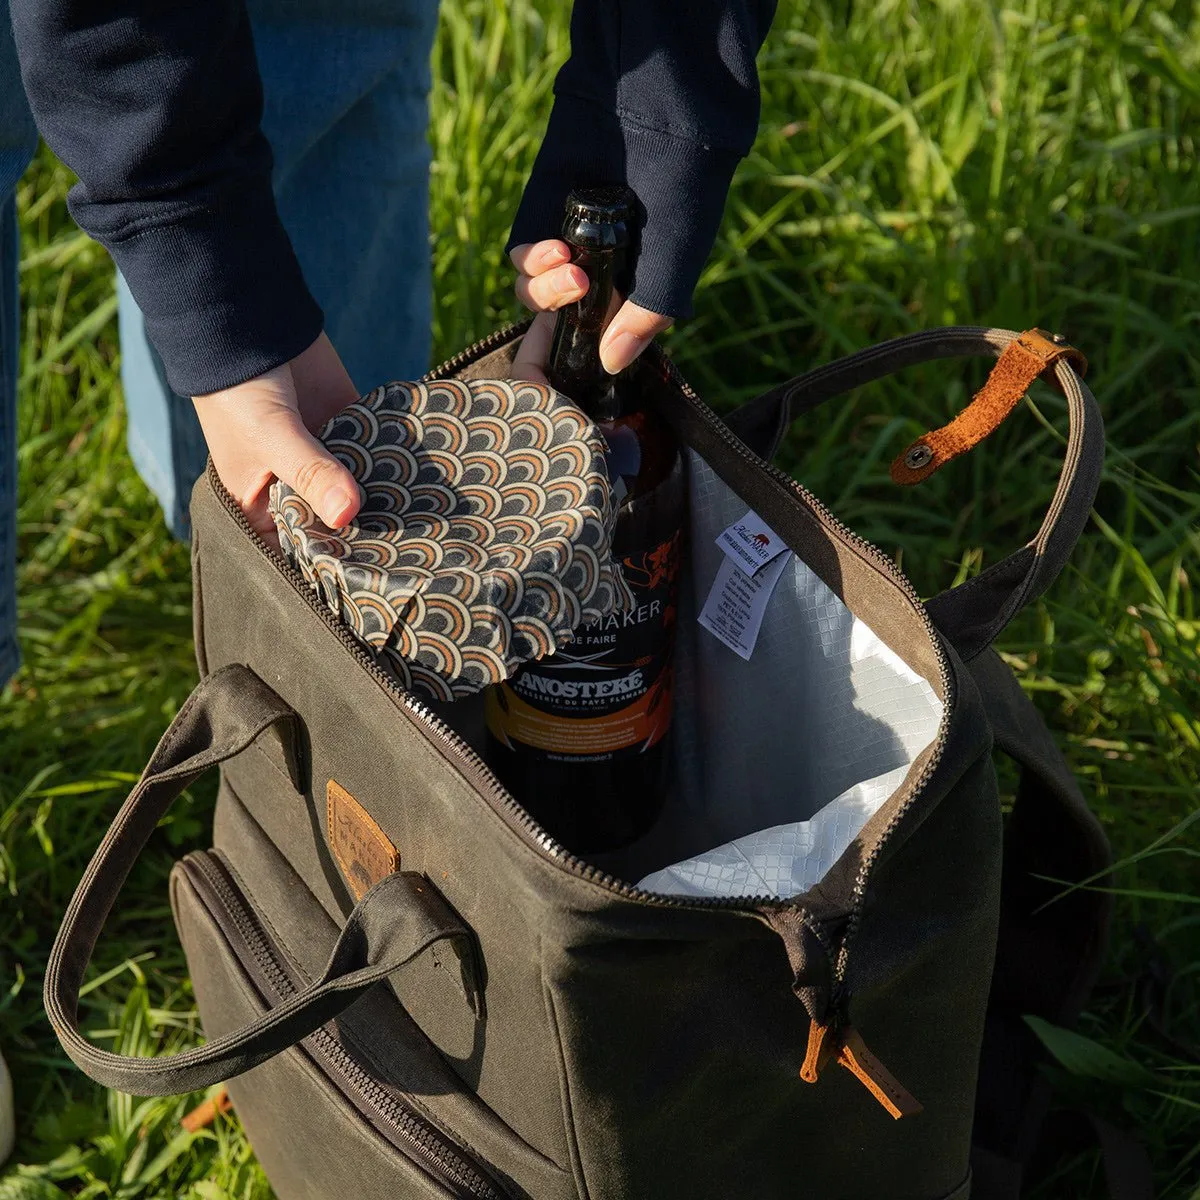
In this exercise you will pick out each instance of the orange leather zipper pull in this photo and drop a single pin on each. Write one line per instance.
(852, 1053)
(875, 1077)
(205, 1114)
(820, 1050)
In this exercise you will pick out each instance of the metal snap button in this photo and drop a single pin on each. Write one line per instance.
(918, 456)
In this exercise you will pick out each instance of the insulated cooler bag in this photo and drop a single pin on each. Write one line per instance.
(414, 992)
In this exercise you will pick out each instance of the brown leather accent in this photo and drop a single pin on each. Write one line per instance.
(361, 848)
(818, 1052)
(853, 1054)
(875, 1077)
(203, 1115)
(1022, 361)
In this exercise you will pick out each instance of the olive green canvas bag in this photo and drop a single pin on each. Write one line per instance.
(413, 992)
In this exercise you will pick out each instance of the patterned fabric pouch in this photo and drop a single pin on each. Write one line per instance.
(485, 537)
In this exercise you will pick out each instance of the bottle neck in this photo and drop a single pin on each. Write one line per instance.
(574, 366)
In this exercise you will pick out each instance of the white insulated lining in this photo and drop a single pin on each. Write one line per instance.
(779, 761)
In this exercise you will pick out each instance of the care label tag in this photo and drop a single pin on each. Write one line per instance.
(751, 543)
(733, 612)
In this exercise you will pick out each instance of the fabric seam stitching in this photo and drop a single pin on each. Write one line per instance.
(564, 1083)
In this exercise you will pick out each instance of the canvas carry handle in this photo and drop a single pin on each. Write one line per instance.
(972, 614)
(393, 923)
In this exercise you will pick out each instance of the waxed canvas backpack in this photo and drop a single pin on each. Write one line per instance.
(413, 992)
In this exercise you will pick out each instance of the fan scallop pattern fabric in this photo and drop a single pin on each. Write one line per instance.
(484, 539)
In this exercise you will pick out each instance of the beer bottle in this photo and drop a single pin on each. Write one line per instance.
(580, 737)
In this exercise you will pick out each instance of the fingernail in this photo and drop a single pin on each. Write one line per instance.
(619, 350)
(556, 253)
(572, 284)
(340, 507)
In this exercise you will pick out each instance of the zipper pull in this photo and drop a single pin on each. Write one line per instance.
(875, 1077)
(206, 1113)
(821, 1045)
(826, 1041)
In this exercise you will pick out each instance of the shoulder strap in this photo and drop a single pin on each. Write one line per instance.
(1128, 1173)
(1050, 946)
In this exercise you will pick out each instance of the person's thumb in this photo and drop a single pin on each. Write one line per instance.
(310, 470)
(628, 334)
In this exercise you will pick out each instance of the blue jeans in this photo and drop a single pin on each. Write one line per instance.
(345, 86)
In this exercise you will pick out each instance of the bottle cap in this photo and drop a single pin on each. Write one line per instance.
(602, 205)
(599, 218)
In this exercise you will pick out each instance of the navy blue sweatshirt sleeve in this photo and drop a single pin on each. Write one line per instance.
(156, 104)
(661, 95)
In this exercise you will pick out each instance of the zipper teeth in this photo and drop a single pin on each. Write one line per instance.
(492, 342)
(504, 800)
(434, 1149)
(858, 542)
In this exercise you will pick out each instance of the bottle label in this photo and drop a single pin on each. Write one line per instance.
(608, 693)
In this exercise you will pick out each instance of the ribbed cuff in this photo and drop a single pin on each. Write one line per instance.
(681, 186)
(221, 289)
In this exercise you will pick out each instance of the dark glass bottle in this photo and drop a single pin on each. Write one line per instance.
(581, 737)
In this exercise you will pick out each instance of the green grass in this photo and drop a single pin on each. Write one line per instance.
(918, 164)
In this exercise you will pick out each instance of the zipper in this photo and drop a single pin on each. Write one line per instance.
(472, 353)
(503, 802)
(399, 1123)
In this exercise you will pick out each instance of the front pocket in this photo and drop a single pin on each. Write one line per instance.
(415, 1056)
(320, 1117)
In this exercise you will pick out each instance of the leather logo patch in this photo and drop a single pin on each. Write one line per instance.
(361, 848)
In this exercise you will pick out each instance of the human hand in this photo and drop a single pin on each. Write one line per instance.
(263, 429)
(546, 280)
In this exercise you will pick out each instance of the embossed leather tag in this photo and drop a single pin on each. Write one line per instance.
(361, 848)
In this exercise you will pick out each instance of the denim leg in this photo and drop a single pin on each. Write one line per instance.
(18, 140)
(355, 197)
(10, 657)
(164, 437)
(345, 89)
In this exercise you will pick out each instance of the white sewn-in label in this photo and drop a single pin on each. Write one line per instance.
(751, 543)
(733, 612)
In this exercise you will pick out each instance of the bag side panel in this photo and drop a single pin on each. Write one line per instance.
(1050, 944)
